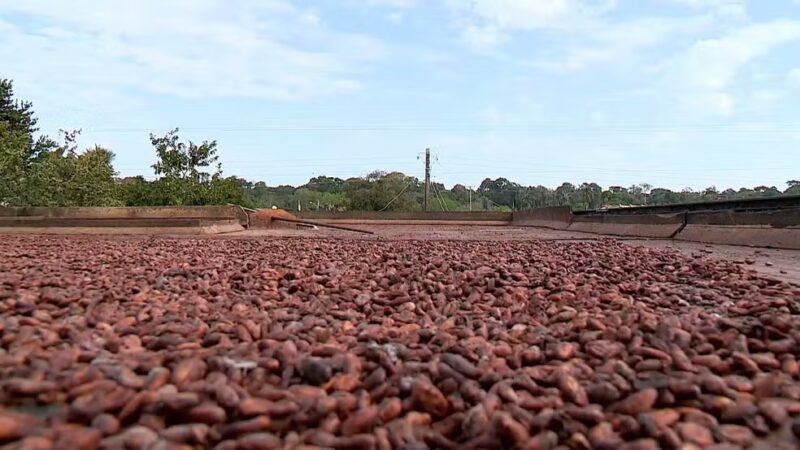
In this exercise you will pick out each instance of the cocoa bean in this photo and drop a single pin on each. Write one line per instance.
(736, 434)
(693, 432)
(14, 426)
(636, 403)
(352, 344)
(571, 389)
(429, 398)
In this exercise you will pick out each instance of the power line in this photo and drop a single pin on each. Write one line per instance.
(524, 126)
(397, 196)
(439, 197)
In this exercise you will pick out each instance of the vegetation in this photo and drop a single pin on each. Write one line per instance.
(36, 170)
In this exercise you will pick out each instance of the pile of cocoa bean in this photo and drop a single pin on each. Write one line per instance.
(134, 343)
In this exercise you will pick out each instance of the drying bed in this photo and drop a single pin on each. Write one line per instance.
(131, 343)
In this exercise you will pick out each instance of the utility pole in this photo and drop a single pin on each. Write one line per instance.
(427, 178)
(470, 199)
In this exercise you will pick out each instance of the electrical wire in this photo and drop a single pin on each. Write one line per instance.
(396, 196)
(509, 126)
(439, 197)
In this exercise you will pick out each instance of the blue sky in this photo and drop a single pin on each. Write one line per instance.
(676, 93)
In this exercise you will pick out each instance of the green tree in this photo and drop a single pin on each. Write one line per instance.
(94, 179)
(591, 195)
(325, 184)
(710, 194)
(136, 191)
(20, 121)
(66, 177)
(224, 190)
(564, 194)
(767, 191)
(379, 191)
(501, 192)
(183, 161)
(185, 176)
(13, 158)
(256, 194)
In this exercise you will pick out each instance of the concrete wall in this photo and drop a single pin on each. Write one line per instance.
(209, 228)
(778, 229)
(557, 218)
(172, 222)
(640, 225)
(414, 222)
(135, 213)
(405, 216)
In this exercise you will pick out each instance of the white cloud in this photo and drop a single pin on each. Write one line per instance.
(764, 99)
(711, 102)
(521, 14)
(713, 63)
(533, 14)
(484, 39)
(706, 72)
(194, 49)
(621, 43)
(735, 9)
(392, 3)
(730, 7)
(487, 23)
(794, 75)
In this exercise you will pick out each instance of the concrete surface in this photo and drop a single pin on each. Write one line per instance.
(556, 218)
(641, 225)
(160, 212)
(406, 215)
(58, 222)
(754, 236)
(778, 229)
(197, 227)
(419, 223)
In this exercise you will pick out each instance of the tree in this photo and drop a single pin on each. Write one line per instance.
(93, 179)
(381, 191)
(460, 193)
(20, 121)
(564, 194)
(16, 114)
(766, 191)
(136, 191)
(66, 177)
(224, 190)
(710, 194)
(13, 151)
(501, 192)
(325, 184)
(537, 197)
(182, 161)
(184, 176)
(660, 196)
(592, 195)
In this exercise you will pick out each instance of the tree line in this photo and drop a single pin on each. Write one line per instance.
(37, 170)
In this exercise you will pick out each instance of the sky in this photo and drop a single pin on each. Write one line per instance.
(674, 93)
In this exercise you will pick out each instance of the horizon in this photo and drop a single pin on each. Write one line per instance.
(673, 93)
